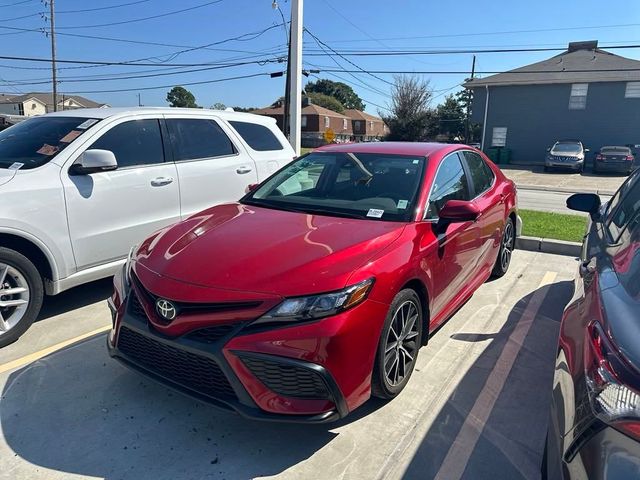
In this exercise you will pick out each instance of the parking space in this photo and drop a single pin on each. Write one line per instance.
(476, 406)
(530, 177)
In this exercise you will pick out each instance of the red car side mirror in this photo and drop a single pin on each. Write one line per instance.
(459, 211)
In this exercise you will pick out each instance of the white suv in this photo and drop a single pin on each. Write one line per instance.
(79, 188)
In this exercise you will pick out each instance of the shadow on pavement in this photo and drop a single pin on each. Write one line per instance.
(510, 444)
(79, 412)
(77, 297)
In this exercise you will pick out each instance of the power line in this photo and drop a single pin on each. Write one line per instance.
(38, 14)
(360, 53)
(346, 59)
(16, 3)
(135, 20)
(107, 79)
(363, 99)
(508, 32)
(239, 77)
(103, 8)
(486, 72)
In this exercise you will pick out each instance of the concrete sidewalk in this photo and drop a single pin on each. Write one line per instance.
(535, 178)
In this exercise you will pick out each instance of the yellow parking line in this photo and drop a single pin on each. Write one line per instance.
(32, 357)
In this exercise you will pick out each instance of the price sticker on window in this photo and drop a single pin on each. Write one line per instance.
(375, 213)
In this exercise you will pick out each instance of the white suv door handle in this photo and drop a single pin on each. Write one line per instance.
(242, 170)
(161, 181)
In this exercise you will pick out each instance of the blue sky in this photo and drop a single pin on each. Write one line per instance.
(353, 25)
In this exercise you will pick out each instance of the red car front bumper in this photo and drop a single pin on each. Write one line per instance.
(311, 372)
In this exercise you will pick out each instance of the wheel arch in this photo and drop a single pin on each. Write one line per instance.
(420, 288)
(34, 252)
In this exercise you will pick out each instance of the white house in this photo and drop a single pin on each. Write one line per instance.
(31, 104)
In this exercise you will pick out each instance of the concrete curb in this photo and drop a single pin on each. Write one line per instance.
(564, 190)
(546, 245)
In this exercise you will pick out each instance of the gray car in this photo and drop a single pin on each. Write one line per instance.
(566, 154)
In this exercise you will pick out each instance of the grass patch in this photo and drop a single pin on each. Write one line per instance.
(558, 226)
(305, 150)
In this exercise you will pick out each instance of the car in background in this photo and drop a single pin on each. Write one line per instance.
(594, 427)
(78, 188)
(566, 155)
(614, 159)
(317, 289)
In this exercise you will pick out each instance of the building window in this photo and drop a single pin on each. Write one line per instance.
(326, 122)
(632, 90)
(344, 123)
(499, 138)
(33, 106)
(356, 124)
(371, 125)
(578, 98)
(303, 121)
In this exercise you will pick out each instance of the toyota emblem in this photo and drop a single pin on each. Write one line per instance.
(166, 309)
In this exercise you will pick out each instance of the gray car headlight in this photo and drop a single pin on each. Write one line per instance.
(314, 307)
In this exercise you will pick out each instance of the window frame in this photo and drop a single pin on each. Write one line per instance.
(634, 86)
(581, 106)
(220, 125)
(435, 175)
(468, 169)
(327, 122)
(167, 154)
(608, 215)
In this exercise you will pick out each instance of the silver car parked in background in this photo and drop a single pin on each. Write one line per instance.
(566, 154)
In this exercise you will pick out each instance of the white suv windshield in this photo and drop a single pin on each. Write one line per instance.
(357, 185)
(35, 141)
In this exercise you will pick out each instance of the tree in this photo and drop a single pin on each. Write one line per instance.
(341, 91)
(326, 101)
(181, 97)
(410, 119)
(451, 116)
(218, 106)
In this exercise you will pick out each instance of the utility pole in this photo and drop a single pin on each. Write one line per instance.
(139, 100)
(467, 126)
(285, 105)
(53, 54)
(295, 77)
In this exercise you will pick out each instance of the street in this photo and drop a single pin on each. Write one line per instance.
(548, 201)
(475, 408)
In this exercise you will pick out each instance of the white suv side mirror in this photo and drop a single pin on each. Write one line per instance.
(94, 161)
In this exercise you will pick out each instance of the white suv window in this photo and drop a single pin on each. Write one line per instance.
(136, 142)
(194, 138)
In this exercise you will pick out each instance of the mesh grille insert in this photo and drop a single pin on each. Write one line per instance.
(185, 368)
(210, 334)
(287, 380)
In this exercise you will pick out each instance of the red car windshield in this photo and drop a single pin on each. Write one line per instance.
(359, 185)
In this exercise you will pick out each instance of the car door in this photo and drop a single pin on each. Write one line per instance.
(451, 261)
(212, 169)
(489, 198)
(109, 212)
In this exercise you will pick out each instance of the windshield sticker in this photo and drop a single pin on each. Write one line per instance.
(375, 213)
(416, 162)
(48, 150)
(402, 204)
(86, 124)
(71, 136)
(16, 166)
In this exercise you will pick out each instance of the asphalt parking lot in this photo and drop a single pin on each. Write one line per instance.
(534, 177)
(475, 408)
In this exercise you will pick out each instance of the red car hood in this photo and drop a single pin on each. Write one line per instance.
(251, 249)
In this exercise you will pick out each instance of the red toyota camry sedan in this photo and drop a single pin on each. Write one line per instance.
(317, 289)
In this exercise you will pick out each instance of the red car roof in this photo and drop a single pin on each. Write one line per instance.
(398, 148)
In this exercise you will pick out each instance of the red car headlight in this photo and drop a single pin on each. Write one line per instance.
(300, 309)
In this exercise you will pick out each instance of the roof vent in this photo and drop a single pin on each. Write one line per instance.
(588, 45)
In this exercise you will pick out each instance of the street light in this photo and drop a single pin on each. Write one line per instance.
(285, 106)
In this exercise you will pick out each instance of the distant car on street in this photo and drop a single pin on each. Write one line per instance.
(566, 155)
(79, 188)
(317, 289)
(614, 159)
(594, 427)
